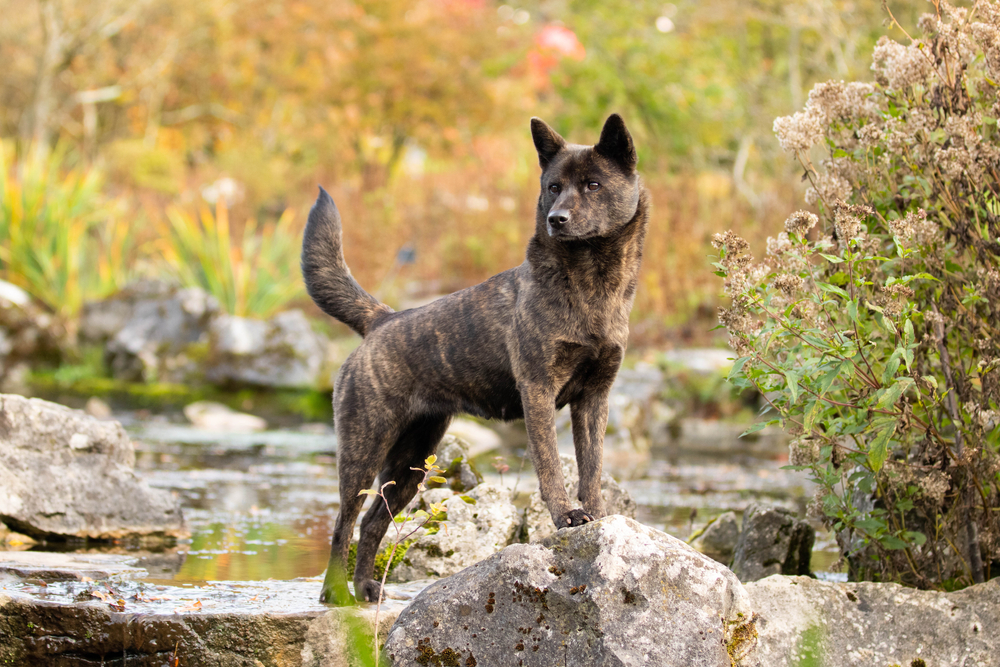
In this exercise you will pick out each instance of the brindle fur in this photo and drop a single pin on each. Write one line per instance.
(526, 342)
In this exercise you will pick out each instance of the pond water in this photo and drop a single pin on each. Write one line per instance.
(261, 506)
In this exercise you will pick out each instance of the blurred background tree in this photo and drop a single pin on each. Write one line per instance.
(415, 115)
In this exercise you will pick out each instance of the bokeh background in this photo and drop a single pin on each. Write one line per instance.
(186, 138)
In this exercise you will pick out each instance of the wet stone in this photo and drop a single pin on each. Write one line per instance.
(772, 541)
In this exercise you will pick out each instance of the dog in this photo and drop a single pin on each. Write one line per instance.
(524, 343)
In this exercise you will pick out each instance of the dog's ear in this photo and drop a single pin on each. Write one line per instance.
(616, 143)
(547, 141)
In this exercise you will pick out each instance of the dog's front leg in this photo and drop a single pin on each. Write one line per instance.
(590, 421)
(540, 421)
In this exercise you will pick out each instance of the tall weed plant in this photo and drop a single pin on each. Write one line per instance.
(61, 239)
(253, 273)
(873, 329)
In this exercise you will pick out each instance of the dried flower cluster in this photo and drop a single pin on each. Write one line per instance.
(878, 345)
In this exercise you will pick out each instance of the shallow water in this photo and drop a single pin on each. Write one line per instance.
(261, 506)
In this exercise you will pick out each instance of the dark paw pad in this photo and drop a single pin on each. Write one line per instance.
(575, 517)
(369, 592)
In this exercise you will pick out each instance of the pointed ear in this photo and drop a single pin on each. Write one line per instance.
(548, 143)
(616, 143)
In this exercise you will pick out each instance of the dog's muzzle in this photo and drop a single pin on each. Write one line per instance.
(557, 220)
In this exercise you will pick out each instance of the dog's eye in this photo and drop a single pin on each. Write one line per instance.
(554, 188)
(593, 185)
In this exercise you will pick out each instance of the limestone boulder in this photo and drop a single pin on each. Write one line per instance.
(27, 333)
(453, 457)
(471, 533)
(611, 592)
(803, 621)
(165, 337)
(772, 541)
(281, 352)
(65, 474)
(537, 524)
(719, 539)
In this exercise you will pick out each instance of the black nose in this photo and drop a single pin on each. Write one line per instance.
(558, 218)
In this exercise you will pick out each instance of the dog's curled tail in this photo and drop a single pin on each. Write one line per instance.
(328, 280)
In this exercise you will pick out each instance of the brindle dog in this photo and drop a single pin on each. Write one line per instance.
(523, 344)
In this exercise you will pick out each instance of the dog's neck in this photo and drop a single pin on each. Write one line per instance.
(602, 267)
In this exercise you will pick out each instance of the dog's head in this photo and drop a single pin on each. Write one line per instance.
(587, 191)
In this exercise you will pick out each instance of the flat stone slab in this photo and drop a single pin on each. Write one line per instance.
(802, 621)
(270, 623)
(47, 566)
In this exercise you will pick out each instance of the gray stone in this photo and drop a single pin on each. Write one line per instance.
(27, 333)
(804, 621)
(165, 338)
(269, 624)
(453, 456)
(471, 533)
(213, 416)
(538, 524)
(67, 566)
(65, 474)
(612, 592)
(480, 439)
(772, 541)
(100, 321)
(281, 352)
(97, 408)
(718, 541)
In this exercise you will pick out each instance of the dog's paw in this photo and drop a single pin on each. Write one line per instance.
(338, 596)
(575, 517)
(369, 591)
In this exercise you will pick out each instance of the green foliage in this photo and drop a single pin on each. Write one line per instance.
(59, 239)
(876, 342)
(382, 558)
(253, 274)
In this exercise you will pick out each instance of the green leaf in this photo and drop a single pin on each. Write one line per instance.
(870, 525)
(814, 412)
(827, 287)
(468, 500)
(930, 379)
(737, 367)
(437, 480)
(757, 426)
(831, 258)
(431, 460)
(892, 542)
(891, 366)
(916, 537)
(793, 384)
(892, 394)
(878, 449)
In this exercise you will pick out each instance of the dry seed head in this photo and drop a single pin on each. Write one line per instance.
(800, 222)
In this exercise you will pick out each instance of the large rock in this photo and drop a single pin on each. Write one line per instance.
(453, 456)
(27, 333)
(101, 320)
(772, 541)
(803, 621)
(612, 592)
(537, 520)
(471, 533)
(281, 352)
(165, 338)
(719, 539)
(65, 474)
(252, 624)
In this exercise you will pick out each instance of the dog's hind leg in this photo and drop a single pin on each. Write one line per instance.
(413, 446)
(360, 456)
